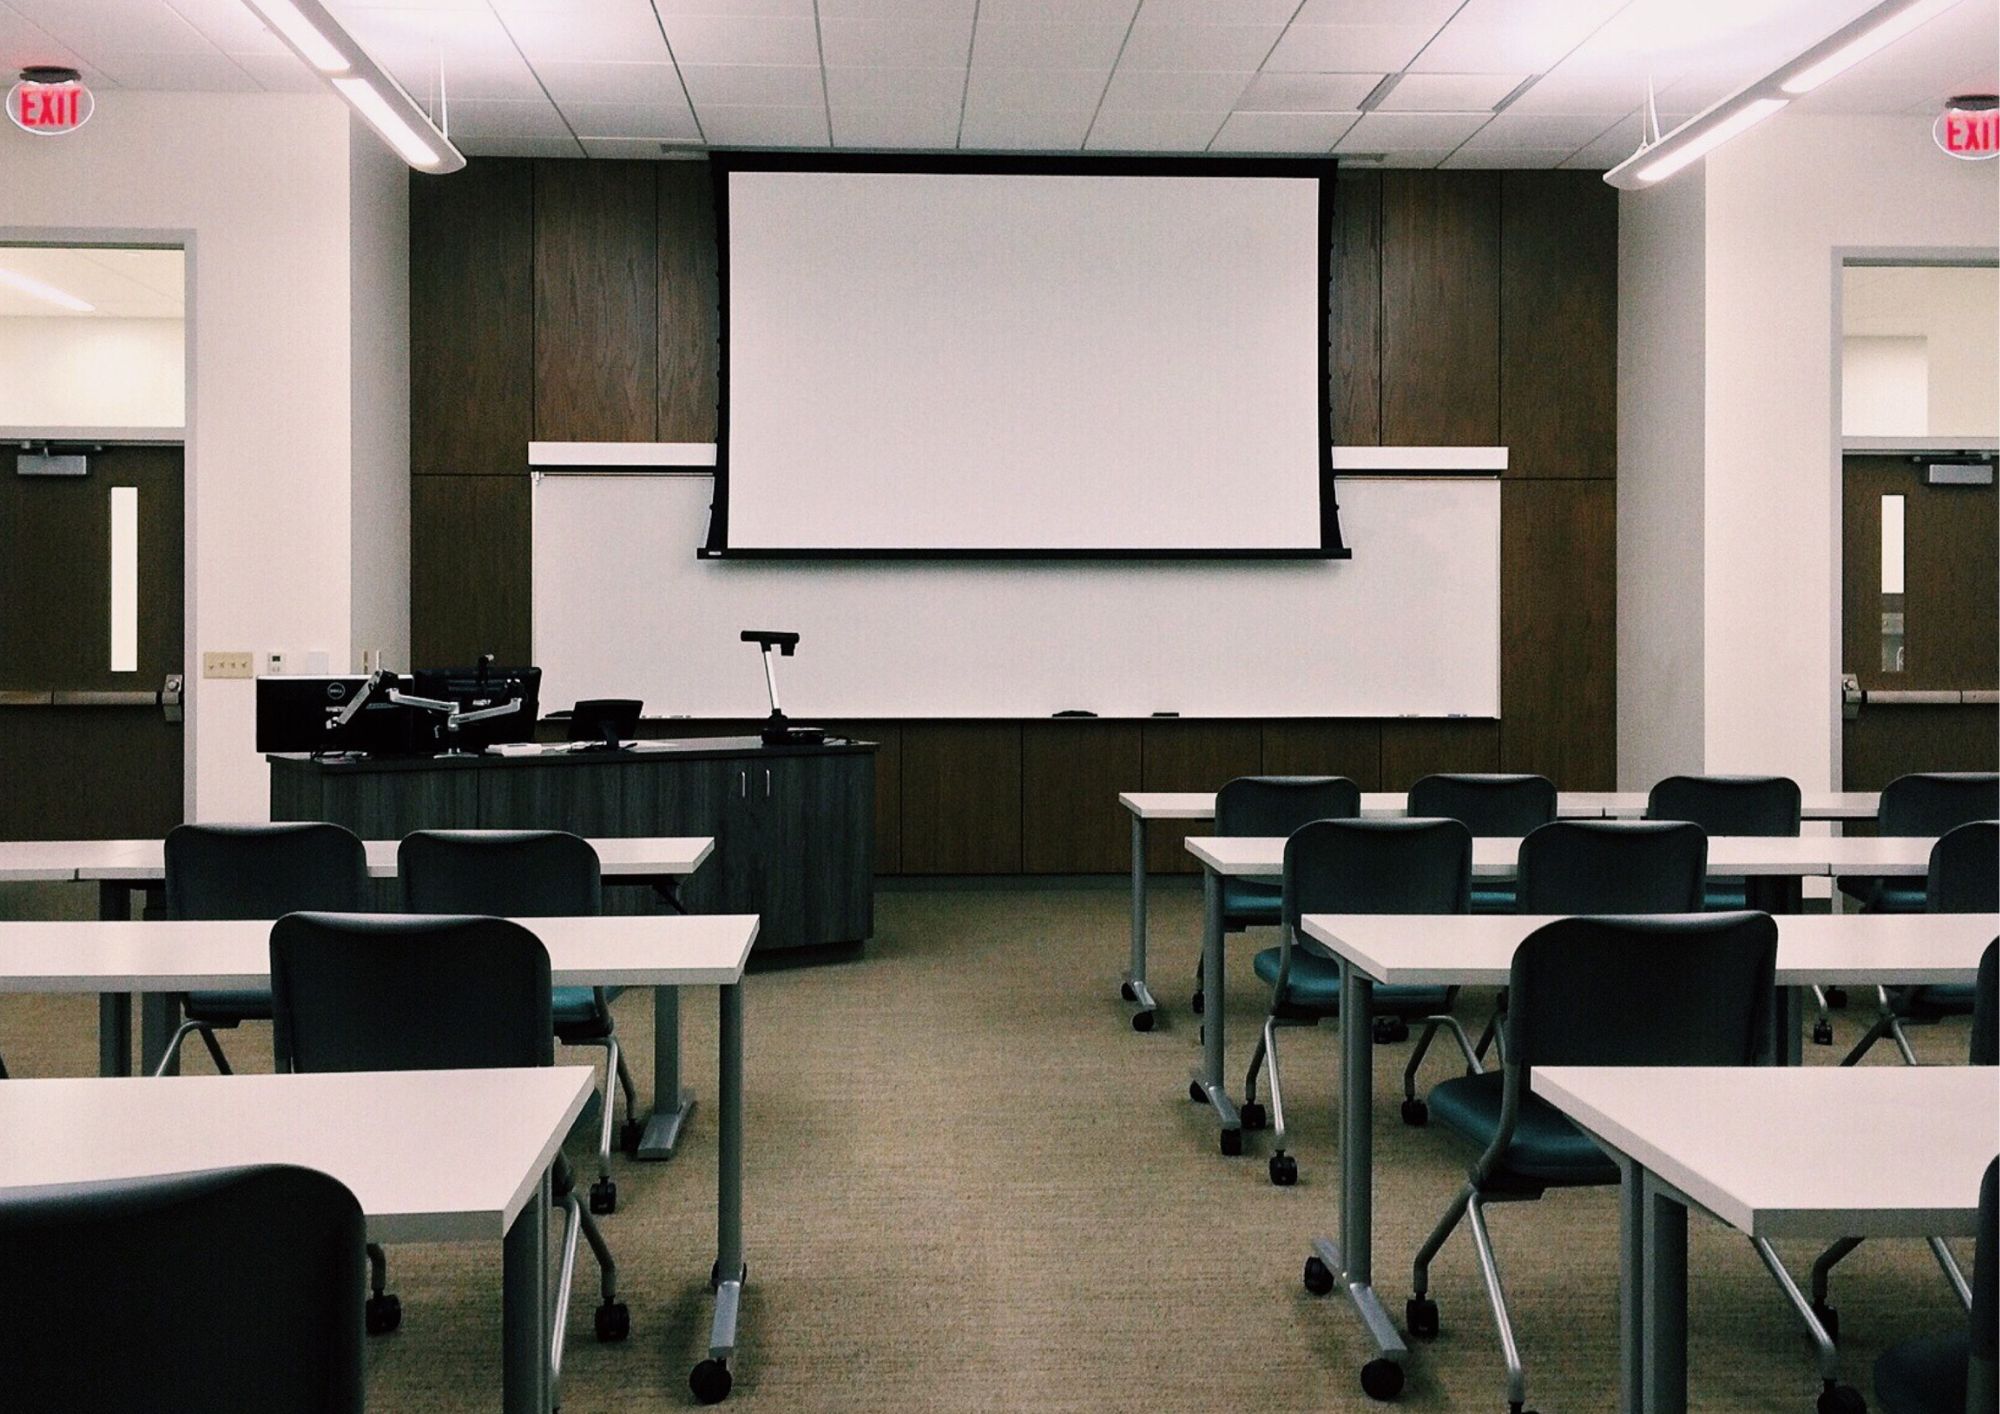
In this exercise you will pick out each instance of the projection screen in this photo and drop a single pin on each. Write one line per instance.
(997, 358)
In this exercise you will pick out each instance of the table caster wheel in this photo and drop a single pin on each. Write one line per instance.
(1253, 1116)
(1232, 1143)
(1416, 1113)
(1420, 1318)
(1196, 1093)
(1836, 997)
(614, 1321)
(1142, 1021)
(1391, 1029)
(1822, 1033)
(1319, 1277)
(383, 1313)
(1829, 1318)
(604, 1197)
(1284, 1170)
(1381, 1379)
(1196, 1001)
(629, 1135)
(1841, 1399)
(710, 1381)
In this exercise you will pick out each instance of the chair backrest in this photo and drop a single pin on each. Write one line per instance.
(1690, 990)
(263, 871)
(504, 873)
(596, 718)
(1728, 805)
(1965, 870)
(1612, 866)
(1487, 805)
(1932, 802)
(1985, 1339)
(230, 1289)
(1378, 866)
(407, 992)
(1277, 805)
(1986, 1008)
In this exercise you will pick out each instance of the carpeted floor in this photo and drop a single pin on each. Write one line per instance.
(972, 1186)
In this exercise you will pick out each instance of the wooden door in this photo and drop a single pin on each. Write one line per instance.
(1939, 634)
(73, 767)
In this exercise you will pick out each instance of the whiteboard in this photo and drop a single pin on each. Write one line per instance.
(1409, 626)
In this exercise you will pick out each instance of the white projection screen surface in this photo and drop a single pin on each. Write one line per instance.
(994, 362)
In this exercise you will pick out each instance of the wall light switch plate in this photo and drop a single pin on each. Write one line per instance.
(226, 665)
(274, 664)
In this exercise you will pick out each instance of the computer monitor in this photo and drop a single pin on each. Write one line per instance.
(294, 713)
(475, 689)
(605, 719)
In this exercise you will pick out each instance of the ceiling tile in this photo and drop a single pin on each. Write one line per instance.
(1051, 90)
(914, 11)
(1077, 12)
(1024, 129)
(230, 25)
(1618, 142)
(1526, 36)
(484, 117)
(1540, 158)
(638, 148)
(768, 85)
(894, 88)
(518, 146)
(914, 44)
(1282, 132)
(734, 125)
(198, 73)
(1538, 131)
(1207, 12)
(748, 9)
(22, 43)
(1153, 130)
(1430, 13)
(931, 126)
(648, 120)
(1013, 45)
(1155, 90)
(1449, 93)
(714, 39)
(1347, 49)
(1213, 48)
(608, 83)
(1575, 89)
(280, 73)
(1394, 132)
(93, 26)
(1307, 93)
(586, 35)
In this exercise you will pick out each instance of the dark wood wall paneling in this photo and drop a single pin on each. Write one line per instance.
(577, 301)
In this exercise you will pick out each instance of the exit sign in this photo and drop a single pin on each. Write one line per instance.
(48, 102)
(1969, 131)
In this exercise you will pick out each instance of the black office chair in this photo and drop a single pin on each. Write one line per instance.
(228, 1289)
(254, 871)
(1927, 803)
(1492, 807)
(423, 992)
(1955, 1373)
(1983, 1050)
(531, 874)
(1964, 877)
(1693, 990)
(1350, 866)
(1257, 806)
(609, 720)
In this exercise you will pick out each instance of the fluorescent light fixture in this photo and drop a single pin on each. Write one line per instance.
(1754, 102)
(323, 43)
(1878, 31)
(29, 285)
(303, 35)
(1706, 141)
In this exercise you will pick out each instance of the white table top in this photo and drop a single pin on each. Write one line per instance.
(25, 861)
(1837, 949)
(1570, 804)
(1729, 856)
(144, 861)
(432, 1155)
(707, 949)
(1754, 1146)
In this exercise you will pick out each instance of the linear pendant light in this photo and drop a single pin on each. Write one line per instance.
(1756, 101)
(326, 46)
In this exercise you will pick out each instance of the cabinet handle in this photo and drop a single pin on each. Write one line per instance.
(767, 785)
(743, 784)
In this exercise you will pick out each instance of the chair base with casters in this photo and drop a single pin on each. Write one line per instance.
(580, 1014)
(1913, 1006)
(205, 1013)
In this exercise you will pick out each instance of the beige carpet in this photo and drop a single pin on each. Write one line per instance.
(972, 1186)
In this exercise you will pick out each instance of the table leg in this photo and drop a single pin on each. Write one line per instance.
(524, 1308)
(1663, 1358)
(1134, 988)
(1631, 1283)
(711, 1378)
(1208, 1078)
(672, 1101)
(1352, 1261)
(114, 1033)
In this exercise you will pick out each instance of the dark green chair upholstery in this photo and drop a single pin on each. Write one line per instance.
(1492, 807)
(1954, 1373)
(1728, 805)
(1924, 803)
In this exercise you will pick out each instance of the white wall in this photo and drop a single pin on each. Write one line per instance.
(1885, 386)
(379, 289)
(1955, 313)
(1780, 201)
(1661, 326)
(88, 372)
(258, 184)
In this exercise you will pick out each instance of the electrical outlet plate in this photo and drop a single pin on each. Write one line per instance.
(226, 665)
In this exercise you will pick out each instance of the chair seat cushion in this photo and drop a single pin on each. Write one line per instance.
(1891, 895)
(1315, 986)
(1940, 999)
(574, 1010)
(1491, 897)
(1925, 1376)
(1725, 895)
(228, 1008)
(1248, 903)
(1547, 1150)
